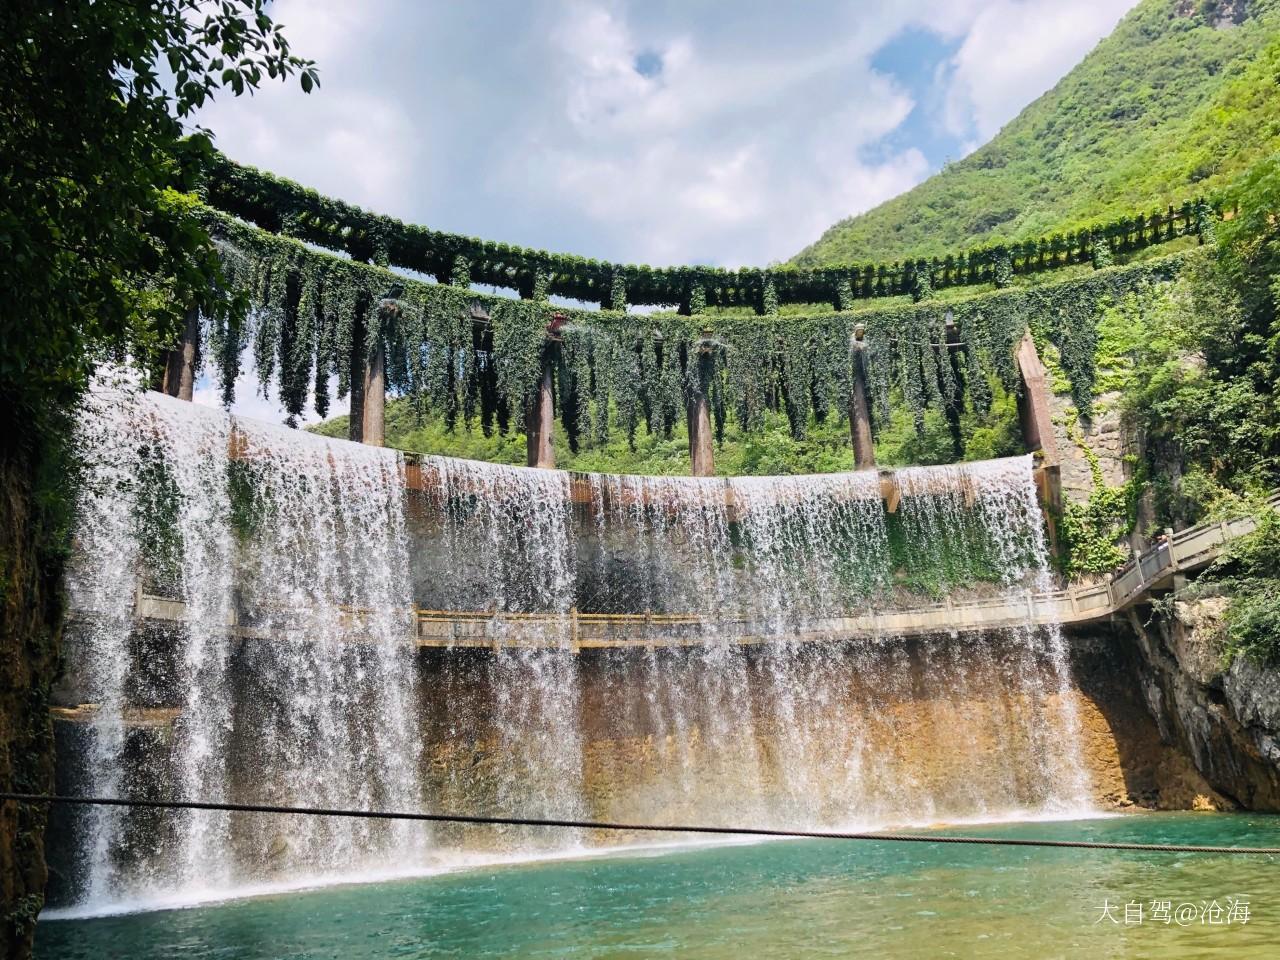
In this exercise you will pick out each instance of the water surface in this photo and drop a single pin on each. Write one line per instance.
(782, 899)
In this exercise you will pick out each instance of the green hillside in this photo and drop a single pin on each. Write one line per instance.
(1179, 100)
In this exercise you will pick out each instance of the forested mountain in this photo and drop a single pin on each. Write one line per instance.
(1179, 100)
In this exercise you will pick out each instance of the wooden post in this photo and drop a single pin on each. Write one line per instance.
(698, 413)
(1037, 433)
(1033, 405)
(355, 418)
(373, 414)
(180, 362)
(539, 422)
(864, 450)
(701, 452)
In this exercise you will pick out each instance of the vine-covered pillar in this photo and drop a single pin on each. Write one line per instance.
(1033, 404)
(373, 414)
(769, 296)
(949, 352)
(355, 415)
(1204, 225)
(1002, 268)
(842, 294)
(702, 462)
(540, 414)
(1037, 427)
(180, 362)
(697, 404)
(695, 299)
(864, 449)
(460, 272)
(615, 297)
(539, 420)
(1100, 251)
(369, 364)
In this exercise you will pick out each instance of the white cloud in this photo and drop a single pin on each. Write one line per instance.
(1014, 51)
(659, 131)
(741, 142)
(350, 137)
(716, 156)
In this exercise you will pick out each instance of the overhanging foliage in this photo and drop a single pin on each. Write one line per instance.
(470, 355)
(281, 206)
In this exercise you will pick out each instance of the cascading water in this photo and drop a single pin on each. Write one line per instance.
(152, 476)
(507, 547)
(287, 535)
(331, 707)
(295, 680)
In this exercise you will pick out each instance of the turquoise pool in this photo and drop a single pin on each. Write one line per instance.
(780, 899)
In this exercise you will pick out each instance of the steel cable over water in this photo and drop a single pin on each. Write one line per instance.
(639, 827)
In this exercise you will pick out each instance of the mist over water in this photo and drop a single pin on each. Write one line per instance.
(319, 550)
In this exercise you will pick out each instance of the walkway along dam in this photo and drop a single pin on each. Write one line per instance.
(264, 615)
(1148, 575)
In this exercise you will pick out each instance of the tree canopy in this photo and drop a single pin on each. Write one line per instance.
(99, 251)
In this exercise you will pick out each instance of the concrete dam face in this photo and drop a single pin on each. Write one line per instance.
(297, 672)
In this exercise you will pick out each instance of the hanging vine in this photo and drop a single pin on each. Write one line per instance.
(281, 206)
(465, 354)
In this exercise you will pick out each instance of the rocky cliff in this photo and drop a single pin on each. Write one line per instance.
(1226, 717)
(29, 616)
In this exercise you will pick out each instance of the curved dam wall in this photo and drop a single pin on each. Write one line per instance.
(327, 548)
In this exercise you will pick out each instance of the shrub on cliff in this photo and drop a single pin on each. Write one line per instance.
(1249, 571)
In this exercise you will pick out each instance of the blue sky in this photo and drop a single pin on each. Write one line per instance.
(654, 132)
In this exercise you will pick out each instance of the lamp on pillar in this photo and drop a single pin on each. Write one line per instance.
(864, 451)
(480, 319)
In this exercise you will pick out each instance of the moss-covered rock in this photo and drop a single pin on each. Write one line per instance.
(30, 615)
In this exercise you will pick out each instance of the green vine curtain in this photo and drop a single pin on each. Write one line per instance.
(472, 356)
(283, 207)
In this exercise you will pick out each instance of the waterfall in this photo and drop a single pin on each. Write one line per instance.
(507, 547)
(294, 563)
(294, 537)
(152, 487)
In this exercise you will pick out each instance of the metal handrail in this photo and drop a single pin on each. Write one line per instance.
(1187, 549)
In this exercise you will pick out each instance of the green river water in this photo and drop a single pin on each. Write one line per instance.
(778, 899)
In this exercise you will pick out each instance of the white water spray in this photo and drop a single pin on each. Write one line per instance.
(295, 680)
